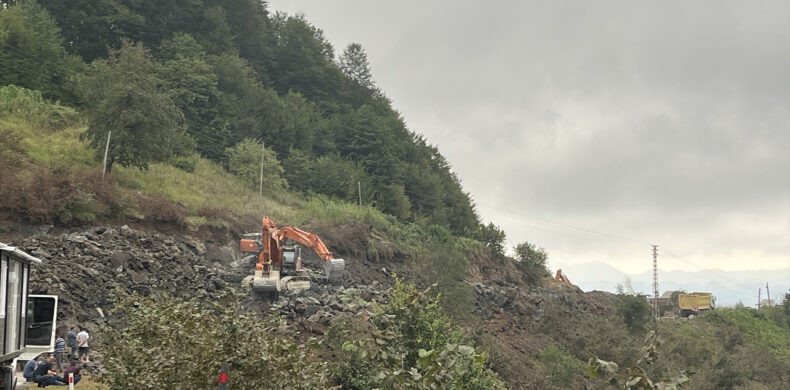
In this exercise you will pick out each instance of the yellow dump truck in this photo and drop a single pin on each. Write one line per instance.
(695, 303)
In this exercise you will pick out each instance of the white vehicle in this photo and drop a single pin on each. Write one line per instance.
(20, 316)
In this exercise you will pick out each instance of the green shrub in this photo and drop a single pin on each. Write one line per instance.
(185, 163)
(532, 261)
(633, 309)
(244, 162)
(167, 343)
(29, 105)
(410, 344)
(559, 366)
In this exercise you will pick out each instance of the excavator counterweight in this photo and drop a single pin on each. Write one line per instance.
(279, 265)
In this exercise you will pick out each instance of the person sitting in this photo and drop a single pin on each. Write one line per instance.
(30, 368)
(45, 376)
(73, 369)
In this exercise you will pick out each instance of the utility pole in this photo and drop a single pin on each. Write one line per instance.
(263, 155)
(759, 292)
(106, 151)
(359, 190)
(655, 281)
(768, 292)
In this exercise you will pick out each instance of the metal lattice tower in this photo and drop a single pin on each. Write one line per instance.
(655, 281)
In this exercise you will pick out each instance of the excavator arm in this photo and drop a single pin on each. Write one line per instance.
(333, 268)
(307, 239)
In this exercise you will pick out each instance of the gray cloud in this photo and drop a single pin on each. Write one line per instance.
(650, 120)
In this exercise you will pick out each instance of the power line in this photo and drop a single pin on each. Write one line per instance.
(566, 228)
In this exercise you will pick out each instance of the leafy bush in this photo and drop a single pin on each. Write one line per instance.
(532, 261)
(559, 366)
(410, 344)
(633, 309)
(167, 343)
(30, 106)
(636, 376)
(444, 265)
(244, 161)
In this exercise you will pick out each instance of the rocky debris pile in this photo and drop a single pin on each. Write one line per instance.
(498, 297)
(84, 269)
(314, 309)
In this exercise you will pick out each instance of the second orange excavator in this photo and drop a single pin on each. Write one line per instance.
(279, 260)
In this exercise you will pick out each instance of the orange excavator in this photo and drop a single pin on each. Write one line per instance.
(279, 265)
(561, 277)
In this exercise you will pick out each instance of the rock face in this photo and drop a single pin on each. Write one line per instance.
(84, 269)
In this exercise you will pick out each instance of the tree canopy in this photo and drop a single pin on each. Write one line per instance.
(179, 77)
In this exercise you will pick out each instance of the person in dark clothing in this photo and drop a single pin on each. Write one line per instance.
(71, 341)
(60, 350)
(73, 369)
(45, 376)
(30, 368)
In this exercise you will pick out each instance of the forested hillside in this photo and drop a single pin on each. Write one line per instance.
(176, 79)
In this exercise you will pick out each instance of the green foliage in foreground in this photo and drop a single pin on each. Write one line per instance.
(410, 344)
(636, 377)
(165, 342)
(168, 343)
(559, 367)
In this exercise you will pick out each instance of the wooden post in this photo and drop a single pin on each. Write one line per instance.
(71, 381)
(263, 155)
(106, 150)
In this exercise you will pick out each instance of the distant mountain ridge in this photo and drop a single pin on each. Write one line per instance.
(729, 287)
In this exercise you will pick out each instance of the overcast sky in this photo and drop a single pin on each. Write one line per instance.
(595, 129)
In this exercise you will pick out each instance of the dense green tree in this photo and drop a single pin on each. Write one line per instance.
(193, 85)
(124, 95)
(304, 64)
(252, 33)
(359, 87)
(392, 199)
(244, 161)
(633, 309)
(532, 260)
(214, 32)
(31, 52)
(354, 64)
(90, 27)
(493, 237)
(330, 175)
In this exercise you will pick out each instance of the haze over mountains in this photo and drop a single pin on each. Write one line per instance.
(728, 287)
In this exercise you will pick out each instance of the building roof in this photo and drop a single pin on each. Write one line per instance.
(19, 253)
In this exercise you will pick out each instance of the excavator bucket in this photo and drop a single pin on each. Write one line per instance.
(334, 269)
(269, 283)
